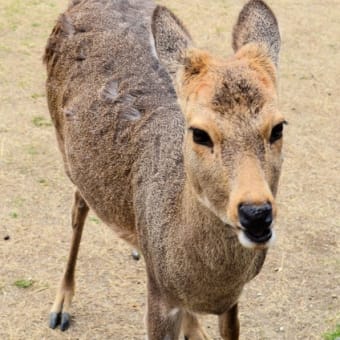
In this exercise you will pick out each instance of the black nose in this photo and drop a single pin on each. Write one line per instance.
(256, 218)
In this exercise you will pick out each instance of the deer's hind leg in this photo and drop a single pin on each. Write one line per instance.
(60, 313)
(192, 329)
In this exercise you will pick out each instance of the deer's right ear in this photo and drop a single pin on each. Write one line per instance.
(171, 39)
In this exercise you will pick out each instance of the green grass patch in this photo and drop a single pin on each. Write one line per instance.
(23, 83)
(31, 150)
(23, 283)
(94, 220)
(13, 214)
(37, 95)
(5, 48)
(42, 181)
(40, 121)
(335, 335)
(18, 202)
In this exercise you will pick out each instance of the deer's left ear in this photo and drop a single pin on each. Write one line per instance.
(257, 24)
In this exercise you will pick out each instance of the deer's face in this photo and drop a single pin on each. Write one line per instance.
(233, 136)
(233, 142)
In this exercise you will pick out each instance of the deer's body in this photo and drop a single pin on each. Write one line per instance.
(121, 132)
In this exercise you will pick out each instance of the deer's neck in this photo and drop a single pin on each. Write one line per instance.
(202, 251)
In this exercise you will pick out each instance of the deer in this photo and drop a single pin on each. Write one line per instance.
(176, 150)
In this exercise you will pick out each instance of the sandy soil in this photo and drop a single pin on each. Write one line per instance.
(297, 294)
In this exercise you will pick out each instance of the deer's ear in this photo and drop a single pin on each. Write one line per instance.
(257, 24)
(171, 39)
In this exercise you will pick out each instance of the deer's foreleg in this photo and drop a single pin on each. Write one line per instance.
(60, 312)
(229, 324)
(163, 320)
(192, 329)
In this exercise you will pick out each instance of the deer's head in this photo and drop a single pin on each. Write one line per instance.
(233, 138)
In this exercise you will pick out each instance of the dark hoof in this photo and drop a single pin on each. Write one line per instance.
(54, 320)
(186, 337)
(135, 255)
(65, 321)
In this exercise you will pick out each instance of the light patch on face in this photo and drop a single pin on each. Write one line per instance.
(222, 216)
(244, 240)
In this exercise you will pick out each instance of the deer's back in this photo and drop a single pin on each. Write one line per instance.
(112, 104)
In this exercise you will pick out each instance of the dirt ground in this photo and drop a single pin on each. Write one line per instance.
(297, 294)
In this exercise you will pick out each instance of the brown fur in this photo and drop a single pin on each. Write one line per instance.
(128, 148)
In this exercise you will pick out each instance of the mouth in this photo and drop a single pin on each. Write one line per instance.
(254, 240)
(259, 238)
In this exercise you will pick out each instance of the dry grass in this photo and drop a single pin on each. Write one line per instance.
(296, 296)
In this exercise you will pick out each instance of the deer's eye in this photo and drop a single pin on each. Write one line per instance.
(201, 137)
(276, 133)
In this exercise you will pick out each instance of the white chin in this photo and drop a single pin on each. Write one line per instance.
(244, 240)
